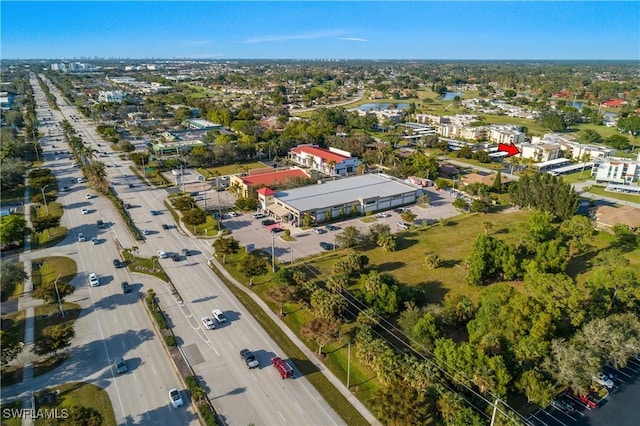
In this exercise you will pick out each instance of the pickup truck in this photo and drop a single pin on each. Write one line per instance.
(283, 368)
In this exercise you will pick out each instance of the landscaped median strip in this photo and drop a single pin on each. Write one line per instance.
(325, 388)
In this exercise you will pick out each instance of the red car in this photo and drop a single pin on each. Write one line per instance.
(588, 399)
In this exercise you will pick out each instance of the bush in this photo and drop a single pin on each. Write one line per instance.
(160, 319)
(170, 340)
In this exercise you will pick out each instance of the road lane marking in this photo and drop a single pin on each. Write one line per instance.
(134, 377)
(154, 370)
(281, 416)
(299, 407)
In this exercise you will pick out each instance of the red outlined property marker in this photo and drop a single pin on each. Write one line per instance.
(510, 149)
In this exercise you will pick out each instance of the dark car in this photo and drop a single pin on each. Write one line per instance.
(131, 185)
(186, 252)
(165, 226)
(175, 257)
(154, 212)
(126, 288)
(268, 222)
(331, 227)
(249, 358)
(100, 224)
(276, 230)
(127, 205)
(117, 263)
(326, 246)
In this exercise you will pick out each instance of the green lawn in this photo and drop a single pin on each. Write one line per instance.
(47, 269)
(230, 169)
(84, 395)
(47, 315)
(207, 229)
(145, 266)
(48, 238)
(55, 209)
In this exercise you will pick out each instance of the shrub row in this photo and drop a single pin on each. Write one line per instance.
(119, 205)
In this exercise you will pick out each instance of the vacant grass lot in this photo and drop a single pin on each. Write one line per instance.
(230, 169)
(84, 395)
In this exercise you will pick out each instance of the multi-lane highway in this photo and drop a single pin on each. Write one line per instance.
(242, 396)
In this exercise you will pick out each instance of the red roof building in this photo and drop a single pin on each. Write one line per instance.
(330, 161)
(248, 185)
(614, 103)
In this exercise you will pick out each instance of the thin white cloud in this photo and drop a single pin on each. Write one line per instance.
(352, 39)
(314, 35)
(195, 42)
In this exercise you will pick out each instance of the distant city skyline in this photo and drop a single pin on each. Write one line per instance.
(475, 30)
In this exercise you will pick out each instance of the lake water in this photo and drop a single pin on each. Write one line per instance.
(448, 96)
(381, 107)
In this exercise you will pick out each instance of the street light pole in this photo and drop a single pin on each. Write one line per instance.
(273, 257)
(55, 283)
(44, 198)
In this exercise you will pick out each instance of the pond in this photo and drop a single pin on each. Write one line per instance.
(448, 96)
(381, 107)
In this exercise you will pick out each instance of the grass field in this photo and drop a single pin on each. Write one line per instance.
(47, 315)
(207, 229)
(52, 268)
(599, 190)
(230, 169)
(84, 395)
(48, 238)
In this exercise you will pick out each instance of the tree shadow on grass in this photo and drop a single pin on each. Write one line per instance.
(389, 266)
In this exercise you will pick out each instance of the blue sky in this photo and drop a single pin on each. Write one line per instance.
(499, 30)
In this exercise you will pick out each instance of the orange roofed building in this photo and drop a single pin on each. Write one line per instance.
(330, 161)
(248, 185)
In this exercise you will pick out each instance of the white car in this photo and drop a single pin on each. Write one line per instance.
(162, 254)
(403, 225)
(85, 210)
(258, 215)
(93, 280)
(219, 315)
(382, 215)
(208, 323)
(88, 196)
(318, 230)
(603, 380)
(232, 214)
(175, 398)
(94, 240)
(145, 232)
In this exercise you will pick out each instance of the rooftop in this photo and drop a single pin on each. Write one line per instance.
(325, 154)
(274, 177)
(341, 191)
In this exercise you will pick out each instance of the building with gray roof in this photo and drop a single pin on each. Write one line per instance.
(342, 197)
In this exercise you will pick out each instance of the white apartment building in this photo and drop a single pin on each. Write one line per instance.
(111, 96)
(540, 152)
(455, 131)
(504, 133)
(616, 170)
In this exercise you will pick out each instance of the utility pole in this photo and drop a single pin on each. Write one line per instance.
(273, 257)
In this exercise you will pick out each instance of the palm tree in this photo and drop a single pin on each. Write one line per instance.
(586, 156)
(487, 226)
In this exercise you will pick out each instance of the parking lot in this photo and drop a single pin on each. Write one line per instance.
(248, 230)
(619, 408)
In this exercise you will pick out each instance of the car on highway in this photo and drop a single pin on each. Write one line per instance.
(85, 210)
(154, 212)
(145, 232)
(162, 254)
(249, 358)
(208, 323)
(117, 263)
(120, 365)
(186, 252)
(93, 280)
(219, 315)
(81, 237)
(326, 246)
(319, 230)
(562, 405)
(176, 398)
(88, 196)
(268, 222)
(126, 288)
(175, 257)
(94, 240)
(258, 215)
(604, 380)
(165, 226)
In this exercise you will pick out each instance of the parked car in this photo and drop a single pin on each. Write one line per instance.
(268, 222)
(326, 246)
(604, 380)
(232, 214)
(93, 280)
(258, 215)
(249, 358)
(319, 230)
(331, 227)
(208, 323)
(276, 230)
(175, 398)
(562, 405)
(403, 225)
(382, 215)
(120, 365)
(126, 288)
(219, 315)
